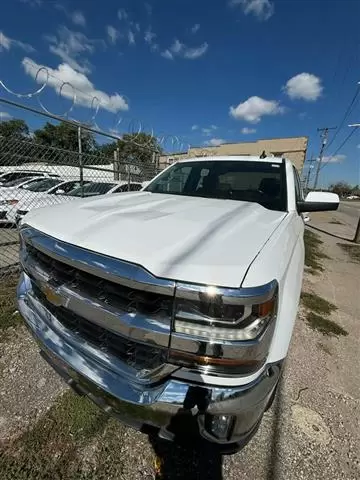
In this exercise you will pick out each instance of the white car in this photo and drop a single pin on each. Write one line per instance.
(11, 191)
(63, 193)
(174, 307)
(18, 174)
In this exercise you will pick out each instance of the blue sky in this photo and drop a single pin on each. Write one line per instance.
(207, 72)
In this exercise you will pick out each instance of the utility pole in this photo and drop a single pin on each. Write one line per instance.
(324, 137)
(307, 180)
(357, 233)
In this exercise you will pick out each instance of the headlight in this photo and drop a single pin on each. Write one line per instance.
(212, 315)
(223, 331)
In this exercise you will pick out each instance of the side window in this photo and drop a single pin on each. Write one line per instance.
(299, 195)
(135, 187)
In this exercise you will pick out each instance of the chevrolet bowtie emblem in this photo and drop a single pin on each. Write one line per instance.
(52, 296)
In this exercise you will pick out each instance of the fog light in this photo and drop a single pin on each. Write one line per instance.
(221, 425)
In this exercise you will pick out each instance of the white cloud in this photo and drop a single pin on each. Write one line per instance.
(304, 86)
(64, 76)
(195, 28)
(4, 116)
(261, 9)
(334, 159)
(179, 49)
(215, 142)
(131, 38)
(150, 37)
(122, 14)
(167, 54)
(207, 131)
(254, 108)
(195, 127)
(112, 34)
(71, 46)
(197, 52)
(78, 18)
(248, 131)
(6, 43)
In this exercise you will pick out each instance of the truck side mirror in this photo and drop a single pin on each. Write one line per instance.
(319, 202)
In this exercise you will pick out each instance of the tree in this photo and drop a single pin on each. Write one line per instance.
(139, 149)
(15, 143)
(65, 136)
(16, 128)
(341, 188)
(107, 150)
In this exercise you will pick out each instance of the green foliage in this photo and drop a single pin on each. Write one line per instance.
(341, 188)
(313, 252)
(352, 250)
(318, 304)
(14, 128)
(324, 325)
(8, 316)
(65, 136)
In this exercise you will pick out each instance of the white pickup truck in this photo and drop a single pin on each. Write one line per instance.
(172, 308)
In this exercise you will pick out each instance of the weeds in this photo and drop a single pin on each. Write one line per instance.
(8, 317)
(317, 310)
(54, 447)
(317, 304)
(313, 252)
(352, 250)
(324, 325)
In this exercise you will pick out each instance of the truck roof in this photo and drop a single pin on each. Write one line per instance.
(234, 158)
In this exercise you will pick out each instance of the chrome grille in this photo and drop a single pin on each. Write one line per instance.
(118, 307)
(134, 354)
(118, 296)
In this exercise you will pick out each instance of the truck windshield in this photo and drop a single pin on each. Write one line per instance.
(249, 181)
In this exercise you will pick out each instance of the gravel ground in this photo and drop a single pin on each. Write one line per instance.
(311, 432)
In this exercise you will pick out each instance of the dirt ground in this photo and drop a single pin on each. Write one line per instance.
(311, 432)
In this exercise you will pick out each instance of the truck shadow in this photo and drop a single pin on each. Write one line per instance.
(186, 462)
(273, 469)
(203, 461)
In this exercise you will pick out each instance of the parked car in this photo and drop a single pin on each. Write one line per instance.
(18, 174)
(9, 192)
(66, 194)
(173, 308)
(101, 188)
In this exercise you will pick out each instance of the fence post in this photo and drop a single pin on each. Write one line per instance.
(81, 168)
(357, 233)
(116, 165)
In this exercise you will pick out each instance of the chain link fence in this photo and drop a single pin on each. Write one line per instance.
(33, 175)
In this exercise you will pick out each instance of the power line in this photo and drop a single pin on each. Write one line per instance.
(324, 136)
(347, 113)
(340, 147)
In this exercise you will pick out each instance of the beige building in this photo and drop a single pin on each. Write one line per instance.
(293, 148)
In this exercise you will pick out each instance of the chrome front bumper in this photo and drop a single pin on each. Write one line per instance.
(173, 407)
